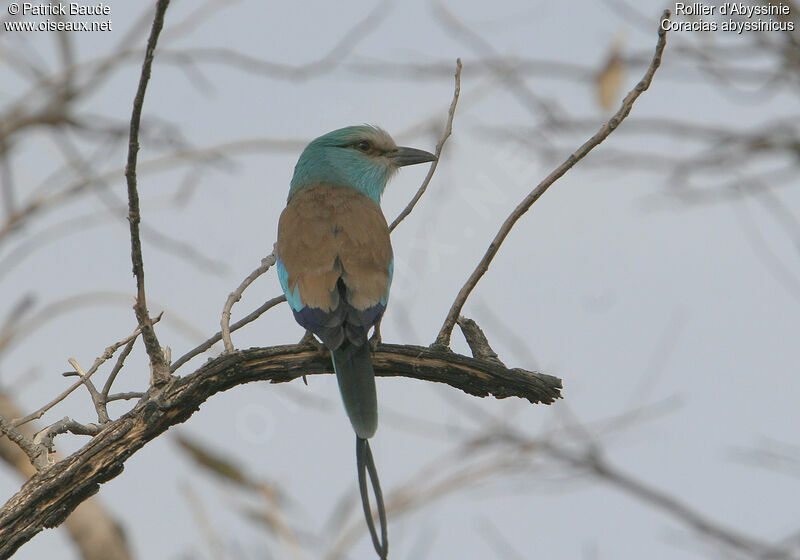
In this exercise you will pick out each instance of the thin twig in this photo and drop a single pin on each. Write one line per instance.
(597, 465)
(503, 72)
(329, 62)
(125, 396)
(159, 369)
(443, 338)
(217, 337)
(117, 368)
(109, 352)
(46, 436)
(97, 399)
(448, 129)
(236, 295)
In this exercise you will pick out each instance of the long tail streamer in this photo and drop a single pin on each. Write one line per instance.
(366, 465)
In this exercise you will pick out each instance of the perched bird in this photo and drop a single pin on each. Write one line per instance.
(334, 256)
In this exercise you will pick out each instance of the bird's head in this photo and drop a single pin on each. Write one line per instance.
(361, 157)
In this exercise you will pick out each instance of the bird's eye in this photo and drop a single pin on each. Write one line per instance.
(363, 146)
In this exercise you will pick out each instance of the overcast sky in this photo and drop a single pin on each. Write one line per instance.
(632, 299)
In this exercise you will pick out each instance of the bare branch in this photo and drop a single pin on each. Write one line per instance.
(109, 352)
(33, 451)
(46, 436)
(236, 295)
(477, 341)
(95, 532)
(448, 130)
(97, 399)
(159, 369)
(314, 69)
(443, 338)
(217, 154)
(601, 468)
(112, 376)
(47, 498)
(502, 71)
(125, 396)
(269, 304)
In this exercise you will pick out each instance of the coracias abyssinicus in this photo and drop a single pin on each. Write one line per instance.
(335, 259)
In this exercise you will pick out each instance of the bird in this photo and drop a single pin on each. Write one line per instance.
(333, 253)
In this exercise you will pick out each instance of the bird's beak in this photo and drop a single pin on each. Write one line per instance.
(409, 156)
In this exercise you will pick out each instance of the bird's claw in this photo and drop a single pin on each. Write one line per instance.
(375, 339)
(310, 340)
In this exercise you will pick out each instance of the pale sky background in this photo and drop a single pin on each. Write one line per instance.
(633, 300)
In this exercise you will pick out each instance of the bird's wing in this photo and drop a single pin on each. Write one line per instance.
(307, 253)
(328, 233)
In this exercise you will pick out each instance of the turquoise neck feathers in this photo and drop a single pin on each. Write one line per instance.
(335, 158)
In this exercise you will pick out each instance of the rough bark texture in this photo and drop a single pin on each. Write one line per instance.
(96, 534)
(48, 497)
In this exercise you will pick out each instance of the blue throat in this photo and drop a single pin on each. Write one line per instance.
(329, 159)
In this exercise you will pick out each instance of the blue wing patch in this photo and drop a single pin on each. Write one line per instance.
(385, 299)
(293, 297)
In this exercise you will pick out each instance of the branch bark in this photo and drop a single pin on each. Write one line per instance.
(443, 338)
(448, 130)
(225, 323)
(94, 530)
(159, 369)
(48, 497)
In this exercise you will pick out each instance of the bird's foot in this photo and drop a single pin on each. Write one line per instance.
(310, 340)
(375, 339)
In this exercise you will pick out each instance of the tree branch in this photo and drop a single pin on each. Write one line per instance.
(97, 398)
(448, 130)
(159, 369)
(477, 341)
(109, 352)
(46, 436)
(269, 304)
(32, 450)
(236, 295)
(47, 498)
(95, 532)
(443, 338)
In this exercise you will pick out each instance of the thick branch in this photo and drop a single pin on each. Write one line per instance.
(443, 338)
(94, 531)
(47, 498)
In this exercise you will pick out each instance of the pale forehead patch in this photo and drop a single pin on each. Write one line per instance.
(379, 138)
